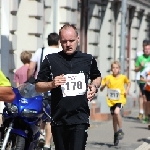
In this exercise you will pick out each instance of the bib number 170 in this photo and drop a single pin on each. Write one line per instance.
(74, 85)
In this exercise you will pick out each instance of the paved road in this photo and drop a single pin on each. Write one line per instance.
(136, 135)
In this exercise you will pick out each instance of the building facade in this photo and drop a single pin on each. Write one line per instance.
(25, 25)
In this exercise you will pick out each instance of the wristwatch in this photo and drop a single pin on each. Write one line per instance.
(96, 88)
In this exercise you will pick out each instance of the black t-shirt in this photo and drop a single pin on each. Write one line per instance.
(71, 109)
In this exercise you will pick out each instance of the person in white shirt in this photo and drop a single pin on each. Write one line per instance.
(145, 76)
(53, 42)
(144, 73)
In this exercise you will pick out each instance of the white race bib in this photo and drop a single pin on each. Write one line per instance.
(75, 85)
(113, 94)
(148, 78)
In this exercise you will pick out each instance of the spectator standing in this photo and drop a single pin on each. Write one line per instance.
(53, 47)
(20, 75)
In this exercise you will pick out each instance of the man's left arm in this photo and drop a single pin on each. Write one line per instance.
(31, 69)
(95, 77)
(96, 82)
(6, 92)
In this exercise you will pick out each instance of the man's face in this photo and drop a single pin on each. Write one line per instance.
(146, 50)
(69, 40)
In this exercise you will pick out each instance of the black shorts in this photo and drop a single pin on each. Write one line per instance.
(147, 94)
(112, 109)
(142, 88)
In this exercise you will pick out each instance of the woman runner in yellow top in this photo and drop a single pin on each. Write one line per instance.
(116, 97)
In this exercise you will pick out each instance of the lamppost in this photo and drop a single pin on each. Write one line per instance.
(123, 34)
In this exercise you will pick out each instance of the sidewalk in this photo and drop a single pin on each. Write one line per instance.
(136, 135)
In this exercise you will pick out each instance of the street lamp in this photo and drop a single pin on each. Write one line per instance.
(123, 34)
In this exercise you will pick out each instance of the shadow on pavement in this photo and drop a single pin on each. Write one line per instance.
(131, 119)
(101, 144)
(141, 128)
(144, 140)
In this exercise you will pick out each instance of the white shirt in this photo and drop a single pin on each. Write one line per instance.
(144, 73)
(37, 56)
(139, 53)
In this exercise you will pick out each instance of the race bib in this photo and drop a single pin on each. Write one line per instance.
(148, 78)
(75, 85)
(113, 94)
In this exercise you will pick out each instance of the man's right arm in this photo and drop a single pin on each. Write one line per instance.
(43, 87)
(47, 86)
(138, 65)
(45, 81)
(44, 77)
(137, 69)
(33, 63)
(31, 69)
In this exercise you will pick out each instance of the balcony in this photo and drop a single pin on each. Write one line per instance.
(35, 26)
(65, 15)
(65, 4)
(93, 49)
(48, 3)
(93, 37)
(13, 23)
(14, 5)
(35, 9)
(74, 5)
(48, 15)
(13, 42)
(33, 43)
(94, 24)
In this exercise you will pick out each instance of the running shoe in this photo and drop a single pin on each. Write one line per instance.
(120, 134)
(116, 140)
(140, 117)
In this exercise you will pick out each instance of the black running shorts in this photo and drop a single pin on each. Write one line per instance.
(112, 109)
